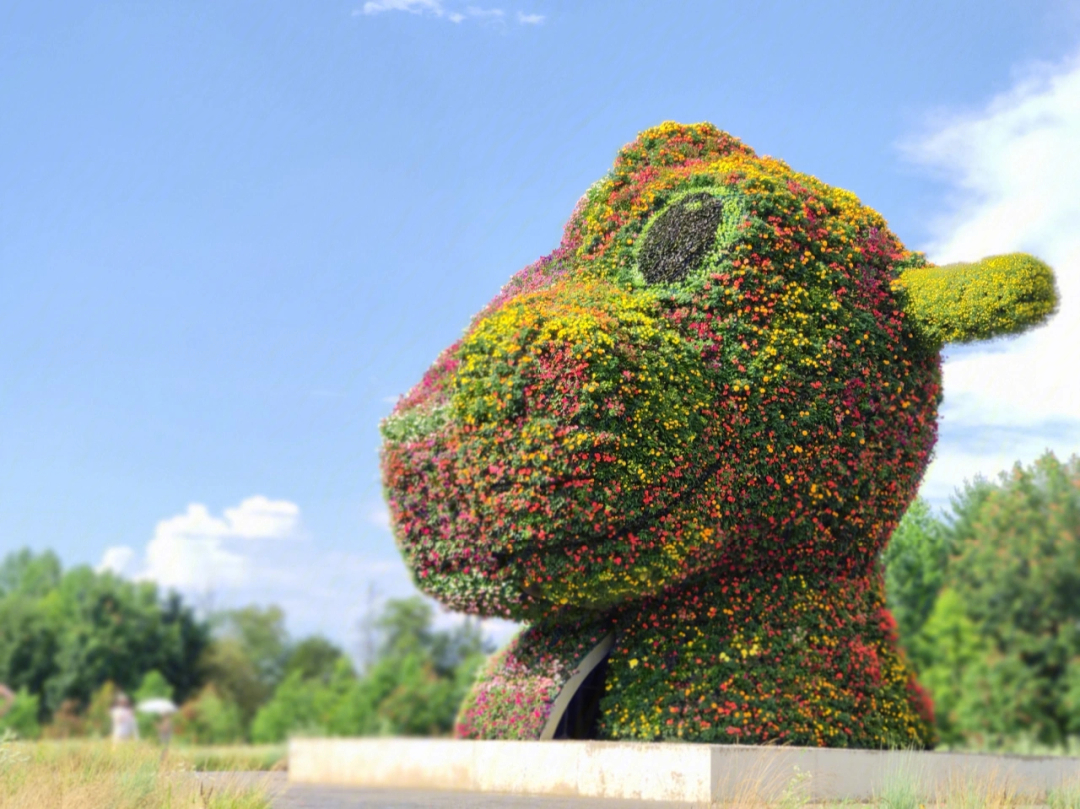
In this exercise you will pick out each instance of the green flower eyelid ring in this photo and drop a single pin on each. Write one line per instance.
(687, 433)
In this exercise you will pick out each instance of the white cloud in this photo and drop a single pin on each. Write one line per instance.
(261, 518)
(116, 559)
(196, 550)
(411, 6)
(1015, 170)
(437, 8)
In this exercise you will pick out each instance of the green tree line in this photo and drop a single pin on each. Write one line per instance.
(71, 641)
(987, 599)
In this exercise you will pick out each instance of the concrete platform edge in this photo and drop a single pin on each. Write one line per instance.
(687, 773)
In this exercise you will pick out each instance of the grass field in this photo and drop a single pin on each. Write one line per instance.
(247, 758)
(94, 775)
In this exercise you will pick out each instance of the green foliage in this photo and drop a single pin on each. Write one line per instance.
(25, 573)
(64, 634)
(229, 758)
(28, 642)
(153, 685)
(406, 626)
(247, 658)
(209, 719)
(314, 658)
(413, 699)
(71, 642)
(262, 635)
(953, 652)
(22, 716)
(1017, 575)
(961, 303)
(98, 720)
(335, 706)
(1000, 649)
(235, 677)
(413, 686)
(915, 561)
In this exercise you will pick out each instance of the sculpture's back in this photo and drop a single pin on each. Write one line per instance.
(692, 429)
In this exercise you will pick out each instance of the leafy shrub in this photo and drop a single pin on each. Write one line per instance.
(209, 719)
(22, 717)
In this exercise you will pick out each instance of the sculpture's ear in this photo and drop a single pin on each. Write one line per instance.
(962, 303)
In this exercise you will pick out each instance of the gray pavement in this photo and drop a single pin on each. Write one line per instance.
(311, 797)
(306, 796)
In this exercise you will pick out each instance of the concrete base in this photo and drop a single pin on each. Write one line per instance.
(688, 773)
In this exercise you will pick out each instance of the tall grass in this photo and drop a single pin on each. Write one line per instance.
(94, 775)
(907, 788)
(242, 757)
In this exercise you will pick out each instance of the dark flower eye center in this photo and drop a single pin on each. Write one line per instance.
(678, 239)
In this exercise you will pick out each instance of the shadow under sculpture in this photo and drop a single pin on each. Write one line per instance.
(688, 432)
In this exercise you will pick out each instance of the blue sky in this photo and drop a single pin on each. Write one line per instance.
(231, 233)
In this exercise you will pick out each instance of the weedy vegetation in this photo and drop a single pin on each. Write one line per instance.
(95, 775)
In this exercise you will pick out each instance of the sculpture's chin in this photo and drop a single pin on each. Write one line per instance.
(558, 528)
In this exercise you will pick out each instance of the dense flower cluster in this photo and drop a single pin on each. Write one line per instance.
(513, 696)
(960, 303)
(748, 660)
(697, 422)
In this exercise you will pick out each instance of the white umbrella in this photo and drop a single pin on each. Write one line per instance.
(158, 705)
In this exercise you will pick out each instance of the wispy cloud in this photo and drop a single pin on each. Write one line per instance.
(1014, 169)
(196, 550)
(412, 6)
(482, 13)
(451, 12)
(259, 552)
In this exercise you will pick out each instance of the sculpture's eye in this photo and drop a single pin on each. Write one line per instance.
(678, 239)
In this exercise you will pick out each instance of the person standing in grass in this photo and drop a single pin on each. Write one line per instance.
(7, 699)
(124, 726)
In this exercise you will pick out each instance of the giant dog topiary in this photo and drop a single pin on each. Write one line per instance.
(676, 447)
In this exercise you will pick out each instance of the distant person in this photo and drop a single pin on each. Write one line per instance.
(165, 729)
(124, 726)
(7, 699)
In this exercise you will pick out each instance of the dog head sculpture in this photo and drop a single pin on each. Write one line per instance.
(724, 358)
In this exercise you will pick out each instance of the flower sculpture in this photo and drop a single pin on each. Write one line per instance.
(679, 443)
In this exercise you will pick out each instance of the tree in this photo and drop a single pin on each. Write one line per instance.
(1016, 573)
(22, 715)
(209, 718)
(28, 644)
(97, 716)
(314, 658)
(113, 629)
(413, 686)
(153, 685)
(335, 706)
(954, 653)
(28, 574)
(406, 627)
(228, 667)
(64, 634)
(915, 562)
